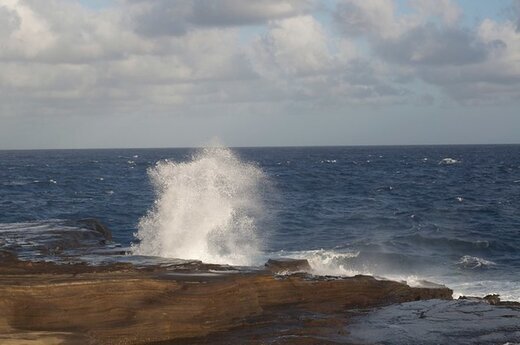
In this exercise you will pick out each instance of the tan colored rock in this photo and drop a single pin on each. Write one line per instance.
(120, 304)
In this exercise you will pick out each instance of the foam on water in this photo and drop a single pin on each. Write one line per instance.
(449, 161)
(206, 209)
(474, 262)
(334, 263)
(324, 262)
(351, 263)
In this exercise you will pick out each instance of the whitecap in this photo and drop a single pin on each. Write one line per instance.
(474, 262)
(448, 161)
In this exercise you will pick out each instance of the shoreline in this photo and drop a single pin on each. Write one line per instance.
(124, 304)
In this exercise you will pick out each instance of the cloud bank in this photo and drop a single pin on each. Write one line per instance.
(63, 58)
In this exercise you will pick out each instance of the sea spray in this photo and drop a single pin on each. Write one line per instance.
(207, 209)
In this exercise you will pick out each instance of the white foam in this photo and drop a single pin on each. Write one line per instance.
(206, 209)
(346, 264)
(449, 161)
(325, 262)
(473, 262)
(333, 263)
(508, 290)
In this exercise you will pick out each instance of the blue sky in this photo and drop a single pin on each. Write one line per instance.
(167, 73)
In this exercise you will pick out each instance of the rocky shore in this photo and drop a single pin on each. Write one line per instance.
(47, 303)
(62, 299)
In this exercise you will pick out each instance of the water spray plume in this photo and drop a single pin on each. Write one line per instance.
(205, 209)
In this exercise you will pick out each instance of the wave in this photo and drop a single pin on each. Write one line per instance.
(448, 161)
(22, 183)
(399, 268)
(324, 262)
(509, 290)
(473, 262)
(206, 209)
(348, 264)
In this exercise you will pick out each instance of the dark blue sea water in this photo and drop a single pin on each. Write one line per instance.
(450, 214)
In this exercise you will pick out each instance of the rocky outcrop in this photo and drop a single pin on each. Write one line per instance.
(493, 299)
(120, 304)
(286, 265)
(97, 226)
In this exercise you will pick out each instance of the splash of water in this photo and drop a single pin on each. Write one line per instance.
(206, 209)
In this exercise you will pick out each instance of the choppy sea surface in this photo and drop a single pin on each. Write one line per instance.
(449, 214)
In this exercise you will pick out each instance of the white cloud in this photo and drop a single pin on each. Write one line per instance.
(59, 57)
(306, 64)
(292, 46)
(475, 64)
(449, 12)
(369, 17)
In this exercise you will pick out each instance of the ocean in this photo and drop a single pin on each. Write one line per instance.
(447, 214)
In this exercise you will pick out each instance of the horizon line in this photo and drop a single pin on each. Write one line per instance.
(253, 147)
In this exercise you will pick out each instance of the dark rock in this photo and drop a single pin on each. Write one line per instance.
(287, 265)
(96, 225)
(492, 299)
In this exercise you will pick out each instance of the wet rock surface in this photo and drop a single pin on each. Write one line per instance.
(287, 265)
(69, 284)
(462, 321)
(49, 303)
(65, 240)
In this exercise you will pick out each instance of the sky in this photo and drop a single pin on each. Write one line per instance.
(179, 73)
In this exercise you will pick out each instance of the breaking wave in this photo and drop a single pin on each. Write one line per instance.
(448, 161)
(206, 209)
(474, 262)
